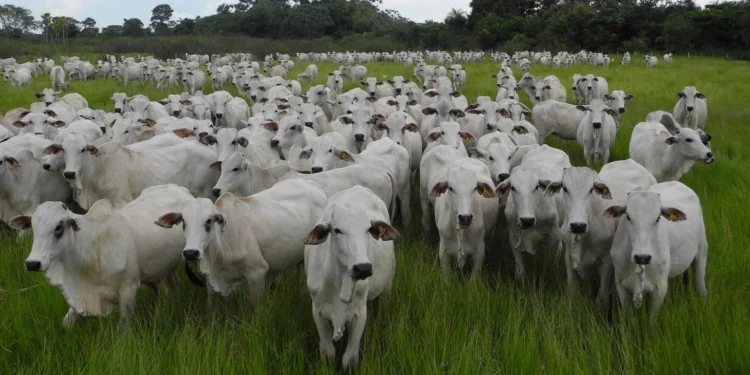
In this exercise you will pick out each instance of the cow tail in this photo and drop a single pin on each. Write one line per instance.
(392, 204)
(194, 279)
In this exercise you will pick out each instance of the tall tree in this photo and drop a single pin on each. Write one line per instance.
(46, 21)
(15, 20)
(160, 16)
(132, 27)
(112, 30)
(89, 27)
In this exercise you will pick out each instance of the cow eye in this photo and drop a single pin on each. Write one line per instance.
(443, 133)
(127, 131)
(627, 217)
(293, 128)
(59, 230)
(337, 231)
(512, 188)
(565, 189)
(591, 191)
(689, 140)
(450, 188)
(234, 142)
(83, 149)
(236, 169)
(330, 150)
(492, 159)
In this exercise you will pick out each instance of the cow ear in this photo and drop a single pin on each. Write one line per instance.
(243, 142)
(603, 190)
(503, 112)
(20, 222)
(608, 97)
(57, 124)
(186, 102)
(319, 234)
(148, 122)
(183, 133)
(429, 111)
(305, 154)
(502, 188)
(392, 103)
(383, 231)
(553, 188)
(215, 165)
(614, 211)
(74, 225)
(434, 135)
(611, 112)
(164, 102)
(50, 113)
(169, 220)
(670, 140)
(271, 126)
(52, 149)
(680, 95)
(207, 140)
(431, 94)
(377, 119)
(38, 95)
(476, 153)
(629, 97)
(412, 127)
(466, 136)
(219, 219)
(485, 190)
(346, 120)
(12, 161)
(92, 150)
(363, 83)
(343, 155)
(673, 214)
(458, 113)
(439, 189)
(455, 94)
(520, 129)
(582, 108)
(413, 102)
(19, 124)
(494, 76)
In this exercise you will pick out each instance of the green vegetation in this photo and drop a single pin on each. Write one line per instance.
(427, 325)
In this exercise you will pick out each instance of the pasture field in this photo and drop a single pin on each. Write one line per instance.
(428, 325)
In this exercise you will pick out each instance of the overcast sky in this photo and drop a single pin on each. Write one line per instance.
(112, 12)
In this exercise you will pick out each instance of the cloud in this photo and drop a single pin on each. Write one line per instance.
(70, 8)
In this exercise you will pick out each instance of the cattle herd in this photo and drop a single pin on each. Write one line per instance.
(246, 191)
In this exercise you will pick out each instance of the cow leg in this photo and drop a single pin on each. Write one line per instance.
(606, 271)
(356, 330)
(448, 247)
(570, 273)
(405, 198)
(518, 258)
(325, 334)
(172, 282)
(478, 260)
(71, 318)
(626, 301)
(699, 273)
(426, 213)
(657, 298)
(127, 305)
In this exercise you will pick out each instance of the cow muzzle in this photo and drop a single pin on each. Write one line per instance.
(642, 259)
(69, 175)
(526, 222)
(33, 265)
(191, 254)
(361, 271)
(464, 221)
(578, 228)
(597, 125)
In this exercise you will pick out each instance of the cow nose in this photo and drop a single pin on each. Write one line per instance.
(359, 137)
(274, 143)
(362, 271)
(689, 108)
(465, 220)
(502, 177)
(69, 175)
(216, 192)
(709, 155)
(537, 97)
(622, 110)
(190, 254)
(588, 88)
(527, 222)
(597, 125)
(348, 112)
(33, 265)
(398, 91)
(316, 169)
(642, 259)
(253, 97)
(47, 103)
(176, 113)
(46, 167)
(219, 115)
(309, 124)
(372, 93)
(578, 228)
(118, 110)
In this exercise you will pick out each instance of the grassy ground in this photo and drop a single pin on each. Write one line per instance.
(427, 325)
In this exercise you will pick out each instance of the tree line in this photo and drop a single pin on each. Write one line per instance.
(604, 25)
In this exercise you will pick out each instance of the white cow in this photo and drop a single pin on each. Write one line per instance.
(534, 218)
(651, 61)
(99, 260)
(663, 234)
(691, 110)
(597, 131)
(119, 174)
(667, 151)
(39, 124)
(230, 112)
(616, 100)
(349, 260)
(194, 80)
(465, 213)
(587, 234)
(240, 240)
(24, 185)
(433, 162)
(560, 119)
(57, 76)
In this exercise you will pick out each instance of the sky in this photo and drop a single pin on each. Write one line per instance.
(112, 12)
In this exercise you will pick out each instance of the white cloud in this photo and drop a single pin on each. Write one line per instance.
(70, 8)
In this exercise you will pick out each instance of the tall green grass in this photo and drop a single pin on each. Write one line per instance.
(428, 325)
